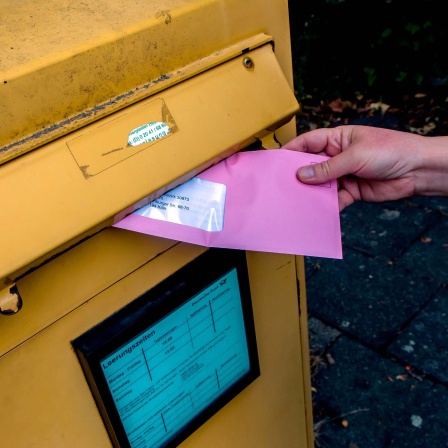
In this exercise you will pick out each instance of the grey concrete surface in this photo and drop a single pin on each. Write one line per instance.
(379, 328)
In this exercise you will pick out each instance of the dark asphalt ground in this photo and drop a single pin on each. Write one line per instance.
(379, 328)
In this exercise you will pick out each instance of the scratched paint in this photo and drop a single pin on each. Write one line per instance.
(148, 133)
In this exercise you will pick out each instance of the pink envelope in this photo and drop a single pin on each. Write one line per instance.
(266, 208)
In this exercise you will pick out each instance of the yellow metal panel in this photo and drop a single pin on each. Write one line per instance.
(46, 400)
(65, 65)
(271, 412)
(77, 182)
(57, 288)
(304, 337)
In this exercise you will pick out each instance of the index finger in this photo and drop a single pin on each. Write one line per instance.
(317, 141)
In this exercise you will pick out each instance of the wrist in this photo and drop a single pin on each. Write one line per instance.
(431, 177)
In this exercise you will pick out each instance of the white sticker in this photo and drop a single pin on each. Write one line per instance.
(197, 203)
(148, 133)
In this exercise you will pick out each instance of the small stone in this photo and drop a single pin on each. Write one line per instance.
(389, 215)
(416, 421)
(408, 348)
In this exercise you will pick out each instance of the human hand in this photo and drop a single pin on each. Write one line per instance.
(375, 164)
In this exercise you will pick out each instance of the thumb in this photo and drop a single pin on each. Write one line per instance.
(318, 173)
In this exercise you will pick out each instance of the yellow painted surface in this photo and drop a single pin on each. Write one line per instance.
(55, 289)
(76, 80)
(87, 177)
(45, 398)
(64, 65)
(305, 345)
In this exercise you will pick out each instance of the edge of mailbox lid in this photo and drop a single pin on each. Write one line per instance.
(64, 66)
(76, 184)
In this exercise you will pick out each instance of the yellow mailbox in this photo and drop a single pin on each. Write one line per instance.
(113, 338)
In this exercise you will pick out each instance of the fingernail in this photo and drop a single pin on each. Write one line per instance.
(305, 172)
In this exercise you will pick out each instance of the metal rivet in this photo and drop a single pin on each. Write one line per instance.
(248, 63)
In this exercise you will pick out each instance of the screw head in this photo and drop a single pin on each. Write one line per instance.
(248, 63)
